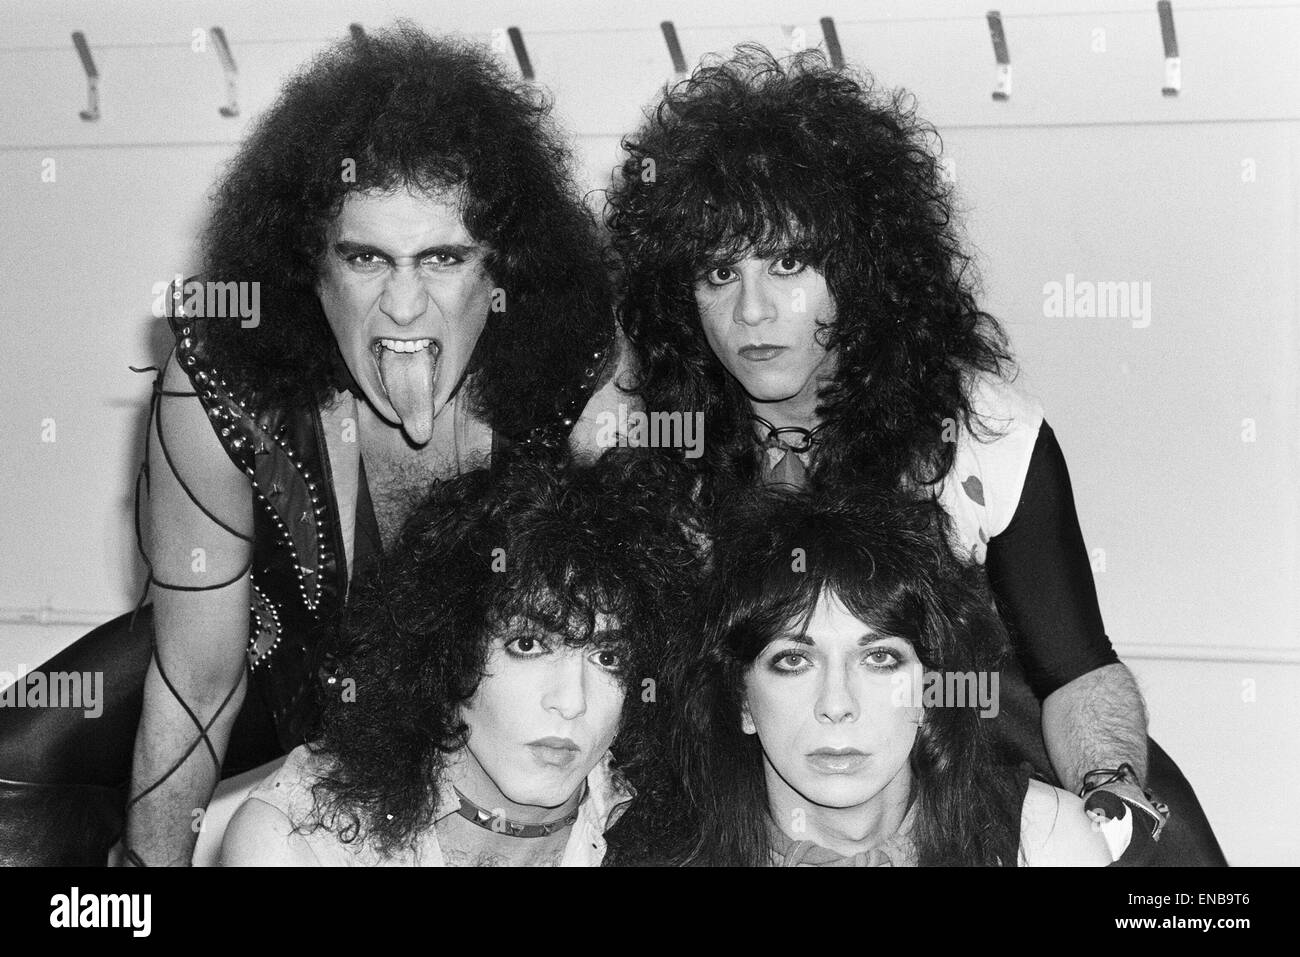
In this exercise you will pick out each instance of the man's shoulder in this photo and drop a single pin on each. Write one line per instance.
(290, 787)
(261, 834)
(1057, 832)
(280, 822)
(993, 451)
(1002, 405)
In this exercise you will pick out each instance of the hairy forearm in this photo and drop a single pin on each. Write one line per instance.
(162, 827)
(1098, 720)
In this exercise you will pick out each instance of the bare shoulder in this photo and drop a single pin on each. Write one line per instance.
(1056, 832)
(261, 835)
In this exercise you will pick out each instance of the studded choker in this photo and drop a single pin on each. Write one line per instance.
(498, 823)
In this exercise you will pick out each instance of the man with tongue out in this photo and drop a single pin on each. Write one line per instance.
(459, 308)
(432, 296)
(406, 291)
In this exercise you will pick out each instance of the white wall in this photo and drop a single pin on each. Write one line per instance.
(1087, 170)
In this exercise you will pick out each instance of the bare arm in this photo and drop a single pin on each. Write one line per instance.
(200, 635)
(1096, 721)
(1093, 716)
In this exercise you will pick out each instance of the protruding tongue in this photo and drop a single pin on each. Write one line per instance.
(407, 377)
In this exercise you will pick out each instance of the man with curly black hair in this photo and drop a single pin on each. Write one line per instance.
(427, 292)
(495, 695)
(793, 273)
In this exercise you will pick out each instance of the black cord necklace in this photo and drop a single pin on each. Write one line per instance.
(773, 438)
(789, 470)
(498, 823)
(807, 437)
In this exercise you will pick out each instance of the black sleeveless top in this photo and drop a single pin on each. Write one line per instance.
(299, 566)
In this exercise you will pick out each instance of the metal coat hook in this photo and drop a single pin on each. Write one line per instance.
(1002, 86)
(521, 53)
(832, 39)
(358, 33)
(91, 112)
(232, 72)
(674, 47)
(1173, 64)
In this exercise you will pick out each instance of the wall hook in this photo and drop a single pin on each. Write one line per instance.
(1173, 64)
(91, 112)
(1002, 85)
(521, 53)
(832, 38)
(232, 72)
(674, 47)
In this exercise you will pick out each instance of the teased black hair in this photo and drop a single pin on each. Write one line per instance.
(555, 543)
(793, 157)
(405, 109)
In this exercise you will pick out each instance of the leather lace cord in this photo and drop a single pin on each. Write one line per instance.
(155, 421)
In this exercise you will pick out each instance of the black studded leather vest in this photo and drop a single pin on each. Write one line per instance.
(299, 573)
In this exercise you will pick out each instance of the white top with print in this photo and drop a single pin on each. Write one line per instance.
(982, 492)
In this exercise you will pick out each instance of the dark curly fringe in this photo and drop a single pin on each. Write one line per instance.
(614, 537)
(756, 154)
(887, 561)
(429, 113)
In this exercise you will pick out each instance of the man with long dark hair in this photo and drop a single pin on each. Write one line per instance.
(795, 720)
(407, 285)
(793, 274)
(496, 696)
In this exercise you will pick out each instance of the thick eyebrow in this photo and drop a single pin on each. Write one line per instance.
(799, 638)
(346, 247)
(869, 637)
(601, 636)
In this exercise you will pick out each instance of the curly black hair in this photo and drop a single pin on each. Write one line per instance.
(888, 562)
(754, 154)
(412, 110)
(615, 537)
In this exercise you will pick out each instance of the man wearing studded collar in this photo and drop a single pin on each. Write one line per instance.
(508, 716)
